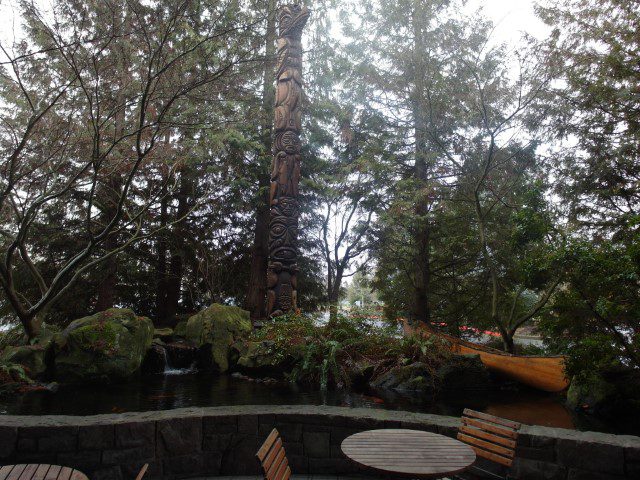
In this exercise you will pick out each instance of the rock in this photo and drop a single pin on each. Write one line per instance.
(33, 358)
(216, 331)
(180, 354)
(592, 394)
(181, 329)
(154, 360)
(107, 346)
(409, 378)
(463, 375)
(163, 333)
(13, 379)
(36, 358)
(361, 373)
(260, 359)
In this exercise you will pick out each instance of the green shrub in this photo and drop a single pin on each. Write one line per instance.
(328, 354)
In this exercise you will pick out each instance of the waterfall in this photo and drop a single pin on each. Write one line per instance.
(169, 370)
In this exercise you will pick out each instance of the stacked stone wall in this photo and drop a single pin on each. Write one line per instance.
(223, 441)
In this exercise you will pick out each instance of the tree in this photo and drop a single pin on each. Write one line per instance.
(593, 112)
(410, 74)
(64, 136)
(502, 179)
(592, 107)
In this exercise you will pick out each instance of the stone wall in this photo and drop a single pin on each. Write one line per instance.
(223, 441)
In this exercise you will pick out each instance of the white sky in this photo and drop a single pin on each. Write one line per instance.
(511, 17)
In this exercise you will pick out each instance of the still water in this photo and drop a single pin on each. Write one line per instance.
(165, 392)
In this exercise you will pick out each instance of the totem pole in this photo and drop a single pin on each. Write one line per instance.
(285, 168)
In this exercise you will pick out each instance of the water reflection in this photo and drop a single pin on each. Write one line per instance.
(165, 392)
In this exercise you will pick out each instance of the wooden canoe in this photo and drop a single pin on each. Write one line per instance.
(541, 372)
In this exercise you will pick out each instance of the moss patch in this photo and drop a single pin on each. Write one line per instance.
(218, 328)
(107, 346)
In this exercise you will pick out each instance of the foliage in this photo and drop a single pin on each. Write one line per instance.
(595, 318)
(592, 107)
(329, 354)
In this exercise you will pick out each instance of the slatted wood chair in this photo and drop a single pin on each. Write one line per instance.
(492, 438)
(273, 458)
(142, 471)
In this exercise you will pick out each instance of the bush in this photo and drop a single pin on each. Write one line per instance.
(332, 354)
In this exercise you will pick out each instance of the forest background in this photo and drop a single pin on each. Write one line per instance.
(465, 179)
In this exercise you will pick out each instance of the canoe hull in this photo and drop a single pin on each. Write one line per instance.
(542, 372)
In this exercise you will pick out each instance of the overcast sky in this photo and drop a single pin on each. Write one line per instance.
(512, 17)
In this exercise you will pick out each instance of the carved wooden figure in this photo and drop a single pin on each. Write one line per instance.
(285, 170)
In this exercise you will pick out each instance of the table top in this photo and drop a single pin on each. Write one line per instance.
(42, 471)
(408, 453)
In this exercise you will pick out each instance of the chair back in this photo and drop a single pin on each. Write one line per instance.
(142, 471)
(273, 458)
(493, 438)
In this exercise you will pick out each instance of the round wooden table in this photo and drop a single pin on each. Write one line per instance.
(40, 471)
(408, 453)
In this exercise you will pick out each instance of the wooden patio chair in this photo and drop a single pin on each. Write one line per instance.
(492, 438)
(142, 471)
(273, 458)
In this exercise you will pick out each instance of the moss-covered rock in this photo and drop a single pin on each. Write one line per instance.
(163, 333)
(33, 358)
(460, 375)
(261, 358)
(591, 394)
(181, 329)
(107, 346)
(13, 378)
(408, 378)
(217, 331)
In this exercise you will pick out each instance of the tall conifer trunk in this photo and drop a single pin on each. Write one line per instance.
(257, 289)
(113, 184)
(174, 278)
(422, 274)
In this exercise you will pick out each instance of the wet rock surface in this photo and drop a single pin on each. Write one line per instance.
(107, 346)
(217, 332)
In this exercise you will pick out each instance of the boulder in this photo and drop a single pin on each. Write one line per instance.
(407, 378)
(262, 359)
(163, 333)
(180, 354)
(360, 373)
(463, 375)
(155, 360)
(13, 379)
(593, 394)
(217, 332)
(181, 329)
(36, 357)
(108, 346)
(33, 358)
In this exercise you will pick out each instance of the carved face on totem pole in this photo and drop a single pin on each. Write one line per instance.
(285, 169)
(292, 19)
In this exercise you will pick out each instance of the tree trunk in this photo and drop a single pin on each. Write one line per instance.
(107, 288)
(257, 288)
(32, 325)
(507, 341)
(174, 280)
(333, 289)
(161, 268)
(422, 275)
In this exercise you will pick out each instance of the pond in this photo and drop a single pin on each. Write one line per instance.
(165, 392)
